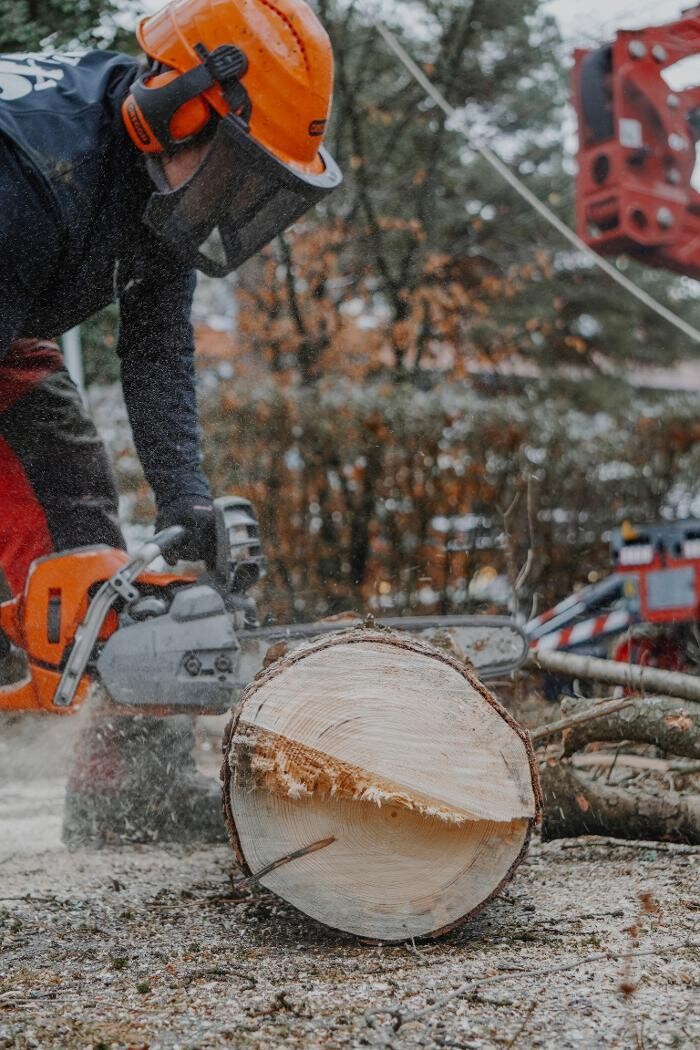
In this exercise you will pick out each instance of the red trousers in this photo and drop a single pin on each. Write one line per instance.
(57, 489)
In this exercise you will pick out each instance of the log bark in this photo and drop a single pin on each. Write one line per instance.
(422, 789)
(630, 676)
(575, 804)
(671, 724)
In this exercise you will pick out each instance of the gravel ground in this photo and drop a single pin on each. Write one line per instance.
(147, 947)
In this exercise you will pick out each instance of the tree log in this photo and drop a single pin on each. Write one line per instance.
(630, 676)
(575, 804)
(417, 790)
(673, 725)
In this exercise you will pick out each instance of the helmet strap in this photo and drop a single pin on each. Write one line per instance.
(227, 64)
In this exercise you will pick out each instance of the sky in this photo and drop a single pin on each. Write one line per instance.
(586, 21)
(582, 21)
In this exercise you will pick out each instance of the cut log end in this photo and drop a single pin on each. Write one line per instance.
(424, 787)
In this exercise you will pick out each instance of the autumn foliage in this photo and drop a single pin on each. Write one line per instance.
(311, 307)
(382, 498)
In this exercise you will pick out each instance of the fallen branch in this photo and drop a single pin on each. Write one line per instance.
(400, 1018)
(672, 725)
(597, 711)
(658, 765)
(609, 840)
(575, 804)
(631, 676)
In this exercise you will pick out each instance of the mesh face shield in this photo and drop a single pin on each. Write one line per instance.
(237, 201)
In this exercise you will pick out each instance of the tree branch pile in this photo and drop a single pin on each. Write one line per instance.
(627, 772)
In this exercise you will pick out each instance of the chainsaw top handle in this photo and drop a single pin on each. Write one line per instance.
(167, 537)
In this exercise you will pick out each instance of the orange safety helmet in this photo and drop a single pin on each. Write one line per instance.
(257, 77)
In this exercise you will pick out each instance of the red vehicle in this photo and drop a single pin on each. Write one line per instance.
(647, 611)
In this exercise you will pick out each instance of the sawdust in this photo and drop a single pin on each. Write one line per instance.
(148, 948)
(152, 948)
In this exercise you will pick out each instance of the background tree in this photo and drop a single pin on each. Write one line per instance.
(420, 208)
(35, 24)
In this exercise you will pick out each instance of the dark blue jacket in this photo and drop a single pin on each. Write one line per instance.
(72, 192)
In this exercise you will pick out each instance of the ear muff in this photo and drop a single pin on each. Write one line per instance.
(187, 120)
(190, 118)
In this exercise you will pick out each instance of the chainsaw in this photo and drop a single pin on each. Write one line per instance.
(171, 643)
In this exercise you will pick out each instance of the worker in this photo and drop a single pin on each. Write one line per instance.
(119, 179)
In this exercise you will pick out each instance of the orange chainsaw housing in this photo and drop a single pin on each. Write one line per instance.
(43, 621)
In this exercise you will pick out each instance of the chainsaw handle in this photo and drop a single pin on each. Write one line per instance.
(120, 585)
(173, 534)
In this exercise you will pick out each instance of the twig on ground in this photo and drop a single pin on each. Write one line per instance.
(612, 764)
(287, 859)
(32, 900)
(256, 876)
(605, 840)
(400, 1018)
(415, 950)
(523, 1026)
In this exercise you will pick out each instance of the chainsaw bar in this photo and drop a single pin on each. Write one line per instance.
(494, 645)
(197, 654)
(192, 659)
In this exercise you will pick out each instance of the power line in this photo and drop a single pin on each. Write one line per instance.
(527, 195)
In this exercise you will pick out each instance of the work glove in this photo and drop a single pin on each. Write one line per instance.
(196, 514)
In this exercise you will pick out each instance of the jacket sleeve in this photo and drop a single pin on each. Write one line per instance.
(156, 348)
(10, 313)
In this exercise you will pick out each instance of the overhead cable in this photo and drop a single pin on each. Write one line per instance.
(491, 158)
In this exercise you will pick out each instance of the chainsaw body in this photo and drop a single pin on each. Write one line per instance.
(167, 643)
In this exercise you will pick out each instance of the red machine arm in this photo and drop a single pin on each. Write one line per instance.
(636, 153)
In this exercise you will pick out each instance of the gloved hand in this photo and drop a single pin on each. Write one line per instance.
(196, 514)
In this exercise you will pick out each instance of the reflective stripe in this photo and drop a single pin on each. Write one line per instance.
(585, 631)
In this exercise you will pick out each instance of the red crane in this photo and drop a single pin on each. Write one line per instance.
(636, 153)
